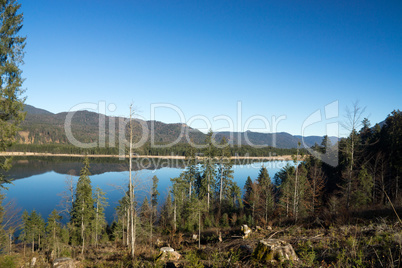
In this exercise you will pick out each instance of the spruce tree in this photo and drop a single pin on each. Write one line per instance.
(83, 212)
(11, 55)
(100, 220)
(53, 230)
(154, 203)
(266, 200)
(207, 180)
(225, 172)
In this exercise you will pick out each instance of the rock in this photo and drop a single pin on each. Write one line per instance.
(64, 263)
(271, 250)
(246, 230)
(168, 254)
(166, 249)
(33, 262)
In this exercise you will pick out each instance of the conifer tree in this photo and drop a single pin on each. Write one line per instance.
(225, 172)
(123, 217)
(190, 173)
(100, 220)
(11, 54)
(145, 212)
(154, 203)
(363, 186)
(266, 200)
(53, 230)
(166, 219)
(207, 180)
(247, 193)
(83, 212)
(25, 229)
(284, 180)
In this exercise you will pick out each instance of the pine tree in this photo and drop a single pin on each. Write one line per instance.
(25, 235)
(123, 216)
(225, 172)
(207, 180)
(53, 230)
(266, 200)
(100, 220)
(190, 173)
(154, 204)
(166, 216)
(33, 227)
(362, 193)
(180, 197)
(284, 180)
(247, 193)
(83, 212)
(145, 212)
(11, 54)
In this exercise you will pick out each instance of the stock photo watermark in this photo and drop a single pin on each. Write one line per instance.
(237, 128)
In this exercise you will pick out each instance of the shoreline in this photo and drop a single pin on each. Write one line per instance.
(178, 157)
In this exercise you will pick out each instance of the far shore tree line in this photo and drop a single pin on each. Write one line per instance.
(179, 149)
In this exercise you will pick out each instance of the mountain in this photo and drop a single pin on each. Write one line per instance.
(279, 140)
(43, 127)
(33, 110)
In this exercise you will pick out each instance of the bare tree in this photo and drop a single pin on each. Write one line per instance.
(132, 217)
(67, 196)
(352, 122)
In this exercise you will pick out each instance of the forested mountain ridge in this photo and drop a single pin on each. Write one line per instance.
(43, 127)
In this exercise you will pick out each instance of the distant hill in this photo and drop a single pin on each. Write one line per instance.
(33, 110)
(43, 127)
(278, 140)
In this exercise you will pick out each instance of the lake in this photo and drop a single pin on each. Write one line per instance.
(39, 182)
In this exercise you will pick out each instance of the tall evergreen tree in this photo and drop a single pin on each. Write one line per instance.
(154, 204)
(83, 211)
(266, 200)
(11, 54)
(166, 215)
(248, 188)
(225, 172)
(99, 220)
(284, 180)
(207, 180)
(53, 230)
(190, 173)
(362, 187)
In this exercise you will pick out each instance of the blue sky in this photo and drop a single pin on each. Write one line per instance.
(282, 59)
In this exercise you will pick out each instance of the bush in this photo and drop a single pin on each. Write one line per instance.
(8, 261)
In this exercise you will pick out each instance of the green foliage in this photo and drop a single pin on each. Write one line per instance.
(363, 189)
(8, 261)
(83, 211)
(33, 228)
(266, 198)
(11, 54)
(99, 223)
(193, 260)
(53, 229)
(307, 254)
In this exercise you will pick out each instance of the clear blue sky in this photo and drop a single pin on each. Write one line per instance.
(278, 58)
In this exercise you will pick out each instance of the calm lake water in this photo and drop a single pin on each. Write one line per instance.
(40, 181)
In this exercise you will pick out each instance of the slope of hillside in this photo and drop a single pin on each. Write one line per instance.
(43, 127)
